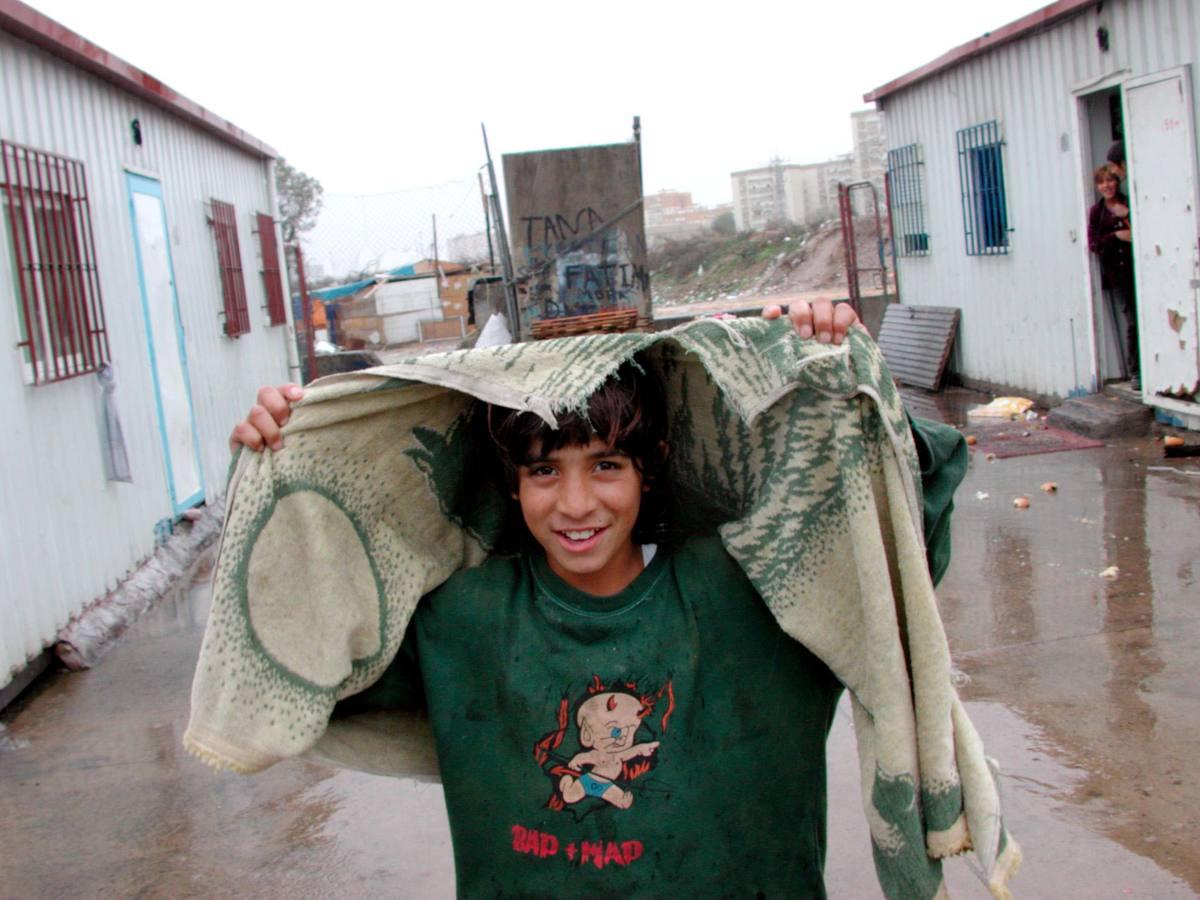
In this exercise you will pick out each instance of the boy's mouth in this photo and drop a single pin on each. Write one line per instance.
(579, 539)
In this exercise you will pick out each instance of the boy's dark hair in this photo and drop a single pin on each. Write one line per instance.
(628, 412)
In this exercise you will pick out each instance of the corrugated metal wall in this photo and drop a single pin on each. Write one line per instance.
(70, 535)
(1018, 310)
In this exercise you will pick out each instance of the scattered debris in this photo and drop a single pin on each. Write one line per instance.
(95, 629)
(991, 457)
(1021, 502)
(982, 495)
(972, 440)
(1002, 408)
(1110, 573)
(10, 743)
(1174, 446)
(1050, 487)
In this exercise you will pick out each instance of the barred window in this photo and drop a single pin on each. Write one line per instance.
(269, 250)
(981, 175)
(229, 263)
(906, 189)
(49, 228)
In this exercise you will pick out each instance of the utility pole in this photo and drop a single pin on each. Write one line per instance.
(437, 270)
(510, 284)
(487, 220)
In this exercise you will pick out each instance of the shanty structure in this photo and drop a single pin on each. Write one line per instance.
(142, 302)
(422, 301)
(991, 150)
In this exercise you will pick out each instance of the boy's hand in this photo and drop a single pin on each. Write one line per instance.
(827, 320)
(260, 428)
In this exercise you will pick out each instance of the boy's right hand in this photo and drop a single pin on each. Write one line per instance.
(260, 428)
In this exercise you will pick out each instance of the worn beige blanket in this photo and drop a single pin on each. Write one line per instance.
(782, 443)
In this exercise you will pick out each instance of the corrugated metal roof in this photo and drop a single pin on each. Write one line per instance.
(1036, 20)
(30, 25)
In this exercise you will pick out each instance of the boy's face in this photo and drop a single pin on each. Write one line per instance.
(580, 503)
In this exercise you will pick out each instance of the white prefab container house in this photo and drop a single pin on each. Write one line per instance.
(138, 248)
(991, 152)
(404, 304)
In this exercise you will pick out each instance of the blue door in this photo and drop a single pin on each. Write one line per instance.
(164, 335)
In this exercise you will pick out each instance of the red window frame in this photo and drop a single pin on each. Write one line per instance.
(271, 269)
(49, 221)
(229, 263)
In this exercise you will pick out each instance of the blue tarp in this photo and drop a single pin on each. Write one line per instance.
(337, 292)
(341, 291)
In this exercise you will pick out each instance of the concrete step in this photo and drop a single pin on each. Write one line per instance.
(1102, 416)
(1123, 391)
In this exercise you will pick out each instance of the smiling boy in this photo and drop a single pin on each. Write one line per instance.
(614, 715)
(580, 504)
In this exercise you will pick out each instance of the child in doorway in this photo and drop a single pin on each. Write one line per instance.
(1110, 238)
(616, 712)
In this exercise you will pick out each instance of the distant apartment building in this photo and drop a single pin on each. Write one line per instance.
(870, 146)
(674, 216)
(788, 193)
(806, 194)
(469, 248)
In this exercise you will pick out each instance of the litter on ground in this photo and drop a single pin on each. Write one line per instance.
(1002, 408)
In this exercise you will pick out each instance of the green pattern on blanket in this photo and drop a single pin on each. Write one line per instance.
(942, 808)
(798, 453)
(905, 870)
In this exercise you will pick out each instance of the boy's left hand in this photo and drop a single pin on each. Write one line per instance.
(827, 320)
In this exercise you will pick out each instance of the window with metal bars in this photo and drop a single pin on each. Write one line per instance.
(269, 250)
(47, 220)
(981, 176)
(229, 263)
(907, 192)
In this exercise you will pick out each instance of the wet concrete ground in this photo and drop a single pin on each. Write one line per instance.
(1084, 688)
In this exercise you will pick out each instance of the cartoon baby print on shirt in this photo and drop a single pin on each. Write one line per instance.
(613, 753)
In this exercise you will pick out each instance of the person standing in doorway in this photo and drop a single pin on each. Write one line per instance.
(1110, 237)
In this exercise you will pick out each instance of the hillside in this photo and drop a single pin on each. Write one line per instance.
(719, 267)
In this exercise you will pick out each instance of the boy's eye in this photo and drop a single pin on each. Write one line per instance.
(541, 470)
(609, 465)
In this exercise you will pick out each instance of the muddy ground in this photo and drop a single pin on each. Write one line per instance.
(1083, 687)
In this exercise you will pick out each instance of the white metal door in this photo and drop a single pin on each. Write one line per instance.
(1160, 147)
(164, 333)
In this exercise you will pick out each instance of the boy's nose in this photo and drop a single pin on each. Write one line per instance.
(575, 499)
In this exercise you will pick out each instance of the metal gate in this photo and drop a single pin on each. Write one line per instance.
(850, 244)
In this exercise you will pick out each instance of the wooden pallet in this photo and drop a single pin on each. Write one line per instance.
(568, 326)
(916, 342)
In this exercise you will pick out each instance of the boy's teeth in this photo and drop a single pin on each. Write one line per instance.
(580, 535)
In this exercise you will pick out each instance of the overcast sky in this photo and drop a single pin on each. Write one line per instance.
(373, 97)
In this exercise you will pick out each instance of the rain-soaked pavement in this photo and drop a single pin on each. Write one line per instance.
(1084, 688)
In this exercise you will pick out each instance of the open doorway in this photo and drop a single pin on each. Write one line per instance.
(1113, 307)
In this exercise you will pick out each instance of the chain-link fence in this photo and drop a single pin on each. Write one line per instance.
(396, 268)
(359, 235)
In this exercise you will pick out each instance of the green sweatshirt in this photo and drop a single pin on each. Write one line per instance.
(665, 742)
